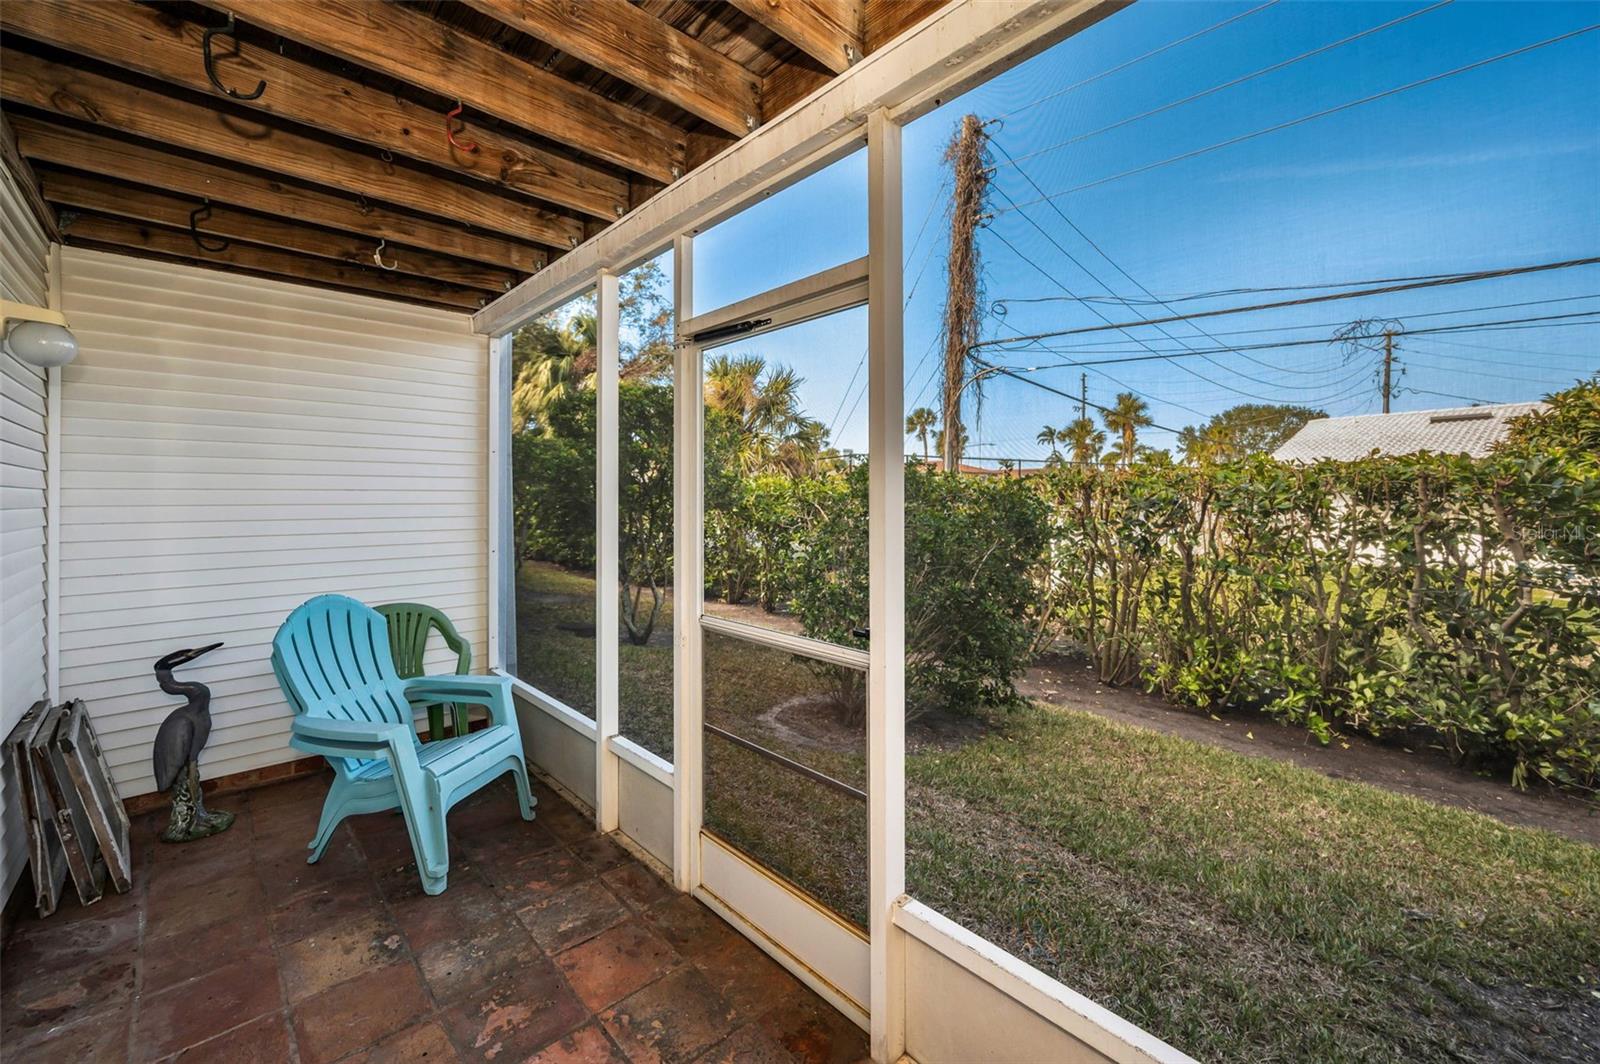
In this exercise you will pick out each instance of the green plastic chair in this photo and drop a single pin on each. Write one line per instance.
(410, 625)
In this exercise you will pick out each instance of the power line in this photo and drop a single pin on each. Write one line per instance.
(1158, 301)
(1516, 351)
(1449, 395)
(1523, 365)
(1414, 361)
(933, 202)
(1057, 391)
(1460, 278)
(1323, 113)
(1240, 80)
(1125, 386)
(1550, 325)
(1109, 346)
(1102, 317)
(862, 394)
(1470, 326)
(1118, 267)
(1136, 60)
(1261, 290)
(1157, 354)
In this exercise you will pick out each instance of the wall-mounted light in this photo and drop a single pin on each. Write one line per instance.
(37, 336)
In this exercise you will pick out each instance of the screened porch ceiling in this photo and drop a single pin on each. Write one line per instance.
(436, 152)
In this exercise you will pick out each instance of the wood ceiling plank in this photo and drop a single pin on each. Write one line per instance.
(36, 82)
(617, 37)
(105, 196)
(95, 153)
(884, 20)
(162, 45)
(100, 231)
(829, 31)
(408, 45)
(784, 88)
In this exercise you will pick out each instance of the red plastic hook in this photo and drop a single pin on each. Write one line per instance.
(450, 132)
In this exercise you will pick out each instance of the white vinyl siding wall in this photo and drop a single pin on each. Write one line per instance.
(234, 446)
(24, 271)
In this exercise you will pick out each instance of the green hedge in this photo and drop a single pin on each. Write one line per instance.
(1428, 593)
(1456, 596)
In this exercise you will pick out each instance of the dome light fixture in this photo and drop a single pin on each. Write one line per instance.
(37, 336)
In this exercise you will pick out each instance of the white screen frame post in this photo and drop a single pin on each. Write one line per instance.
(886, 717)
(502, 537)
(608, 325)
(688, 574)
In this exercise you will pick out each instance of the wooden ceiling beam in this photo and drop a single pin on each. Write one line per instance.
(140, 238)
(162, 45)
(829, 31)
(881, 20)
(35, 82)
(104, 196)
(409, 46)
(80, 149)
(27, 181)
(631, 44)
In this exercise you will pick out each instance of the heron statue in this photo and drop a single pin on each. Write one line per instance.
(177, 751)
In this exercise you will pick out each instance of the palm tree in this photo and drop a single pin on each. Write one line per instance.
(1049, 437)
(764, 408)
(918, 423)
(1084, 440)
(1203, 445)
(1125, 419)
(551, 363)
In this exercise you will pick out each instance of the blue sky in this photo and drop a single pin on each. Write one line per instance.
(1497, 166)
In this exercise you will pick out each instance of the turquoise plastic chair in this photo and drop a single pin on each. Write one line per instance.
(333, 661)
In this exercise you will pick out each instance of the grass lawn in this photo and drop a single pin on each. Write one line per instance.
(1245, 909)
(1242, 909)
(555, 653)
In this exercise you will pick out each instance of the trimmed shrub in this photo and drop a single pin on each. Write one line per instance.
(970, 545)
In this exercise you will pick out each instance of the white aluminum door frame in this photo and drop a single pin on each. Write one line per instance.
(830, 956)
(886, 569)
(688, 572)
(607, 494)
(860, 974)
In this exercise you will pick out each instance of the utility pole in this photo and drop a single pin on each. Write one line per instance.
(1360, 339)
(967, 156)
(1083, 396)
(1388, 366)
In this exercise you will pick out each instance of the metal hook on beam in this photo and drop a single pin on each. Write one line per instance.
(211, 71)
(377, 257)
(450, 131)
(200, 214)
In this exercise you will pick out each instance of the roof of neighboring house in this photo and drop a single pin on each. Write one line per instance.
(1470, 430)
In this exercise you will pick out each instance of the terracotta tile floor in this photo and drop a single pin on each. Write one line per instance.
(552, 944)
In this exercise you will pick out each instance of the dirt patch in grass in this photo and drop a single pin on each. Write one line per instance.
(1421, 772)
(813, 721)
